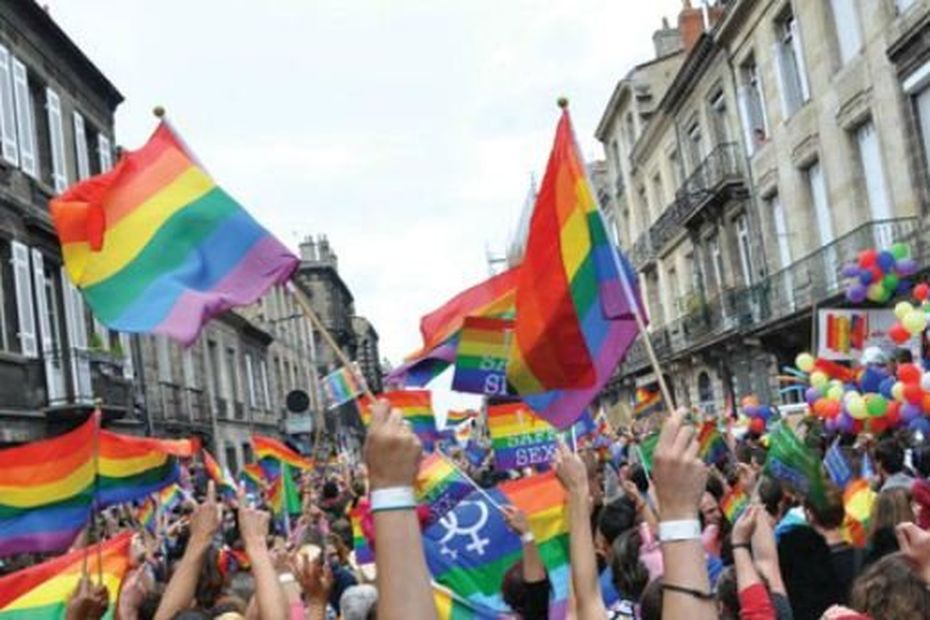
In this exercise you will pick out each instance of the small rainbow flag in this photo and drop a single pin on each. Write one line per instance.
(266, 447)
(253, 476)
(156, 246)
(645, 401)
(440, 486)
(231, 560)
(712, 446)
(42, 591)
(341, 386)
(734, 503)
(416, 407)
(171, 496)
(147, 514)
(131, 468)
(858, 500)
(46, 489)
(481, 357)
(454, 418)
(363, 551)
(224, 481)
(283, 493)
(519, 437)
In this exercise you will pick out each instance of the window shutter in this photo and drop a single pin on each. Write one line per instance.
(23, 283)
(56, 132)
(263, 369)
(10, 149)
(799, 55)
(163, 355)
(780, 78)
(25, 123)
(250, 378)
(54, 377)
(80, 147)
(77, 339)
(125, 341)
(105, 153)
(742, 98)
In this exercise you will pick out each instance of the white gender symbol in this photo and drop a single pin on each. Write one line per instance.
(451, 523)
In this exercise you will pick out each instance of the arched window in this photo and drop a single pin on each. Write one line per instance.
(705, 388)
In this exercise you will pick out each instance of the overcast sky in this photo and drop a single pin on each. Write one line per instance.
(405, 131)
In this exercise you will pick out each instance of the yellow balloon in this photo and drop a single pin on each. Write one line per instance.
(804, 362)
(897, 391)
(856, 408)
(914, 322)
(902, 309)
(835, 392)
(819, 379)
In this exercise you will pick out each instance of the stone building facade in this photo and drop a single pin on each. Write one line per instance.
(56, 128)
(769, 161)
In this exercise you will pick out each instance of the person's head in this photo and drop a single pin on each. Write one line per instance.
(892, 506)
(727, 595)
(614, 518)
(359, 602)
(889, 457)
(920, 458)
(330, 490)
(514, 590)
(828, 515)
(710, 510)
(630, 575)
(874, 357)
(650, 605)
(771, 496)
(890, 588)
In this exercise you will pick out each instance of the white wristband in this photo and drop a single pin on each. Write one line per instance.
(393, 498)
(688, 529)
(527, 538)
(286, 578)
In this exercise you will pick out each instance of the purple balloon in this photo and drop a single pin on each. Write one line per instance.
(907, 267)
(844, 423)
(856, 293)
(909, 412)
(904, 286)
(765, 412)
(832, 424)
(920, 424)
(851, 270)
(811, 395)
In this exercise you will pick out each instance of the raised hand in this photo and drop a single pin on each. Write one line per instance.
(392, 451)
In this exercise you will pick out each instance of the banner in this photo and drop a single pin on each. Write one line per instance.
(519, 437)
(843, 334)
(481, 358)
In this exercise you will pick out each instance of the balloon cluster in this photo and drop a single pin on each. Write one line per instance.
(757, 414)
(878, 275)
(912, 319)
(871, 398)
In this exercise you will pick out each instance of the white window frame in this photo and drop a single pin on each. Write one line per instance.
(781, 230)
(22, 279)
(56, 134)
(104, 153)
(716, 261)
(25, 121)
(187, 364)
(250, 380)
(745, 249)
(8, 141)
(125, 341)
(848, 29)
(163, 358)
(873, 171)
(80, 146)
(820, 202)
(77, 339)
(263, 375)
(793, 95)
(56, 390)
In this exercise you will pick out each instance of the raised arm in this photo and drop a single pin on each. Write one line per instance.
(269, 596)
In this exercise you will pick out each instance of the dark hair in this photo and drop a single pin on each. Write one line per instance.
(727, 594)
(149, 605)
(330, 490)
(629, 574)
(903, 356)
(513, 588)
(211, 581)
(890, 588)
(830, 514)
(920, 457)
(639, 478)
(715, 487)
(650, 605)
(616, 517)
(890, 455)
(771, 495)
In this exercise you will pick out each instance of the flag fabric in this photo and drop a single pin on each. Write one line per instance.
(220, 475)
(519, 437)
(574, 320)
(837, 466)
(422, 367)
(858, 500)
(583, 430)
(476, 453)
(449, 606)
(131, 468)
(463, 432)
(171, 496)
(646, 401)
(734, 503)
(454, 418)
(440, 486)
(46, 491)
(341, 386)
(147, 514)
(416, 407)
(712, 447)
(481, 357)
(646, 449)
(866, 469)
(156, 246)
(790, 461)
(542, 499)
(284, 493)
(269, 448)
(363, 551)
(231, 560)
(252, 476)
(42, 591)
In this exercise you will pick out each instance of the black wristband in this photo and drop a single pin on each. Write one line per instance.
(704, 596)
(745, 546)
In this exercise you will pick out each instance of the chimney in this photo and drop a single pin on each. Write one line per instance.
(308, 249)
(690, 25)
(666, 40)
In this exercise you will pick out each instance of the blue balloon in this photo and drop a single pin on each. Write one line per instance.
(865, 276)
(921, 424)
(885, 386)
(886, 261)
(904, 286)
(765, 412)
(856, 292)
(909, 413)
(906, 267)
(871, 379)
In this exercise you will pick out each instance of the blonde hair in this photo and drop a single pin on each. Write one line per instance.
(893, 506)
(890, 588)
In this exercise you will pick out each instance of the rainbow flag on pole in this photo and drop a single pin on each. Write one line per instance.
(156, 246)
(341, 386)
(131, 468)
(734, 503)
(147, 514)
(223, 479)
(363, 551)
(575, 300)
(481, 357)
(416, 407)
(712, 446)
(41, 591)
(269, 448)
(440, 486)
(646, 401)
(454, 418)
(519, 437)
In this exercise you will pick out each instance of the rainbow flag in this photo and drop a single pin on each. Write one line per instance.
(283, 493)
(231, 560)
(341, 386)
(156, 246)
(363, 551)
(171, 496)
(42, 591)
(734, 503)
(463, 432)
(253, 476)
(574, 301)
(440, 486)
(481, 357)
(542, 499)
(519, 437)
(646, 401)
(858, 500)
(712, 447)
(646, 449)
(449, 606)
(46, 490)
(790, 461)
(454, 418)
(266, 447)
(224, 481)
(147, 514)
(130, 468)
(416, 407)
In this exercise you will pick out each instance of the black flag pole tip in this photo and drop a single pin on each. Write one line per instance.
(563, 102)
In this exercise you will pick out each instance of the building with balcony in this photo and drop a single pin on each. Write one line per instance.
(367, 355)
(56, 128)
(764, 169)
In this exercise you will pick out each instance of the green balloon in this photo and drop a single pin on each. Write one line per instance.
(890, 282)
(876, 405)
(900, 250)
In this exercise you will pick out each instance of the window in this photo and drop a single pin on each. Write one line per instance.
(675, 293)
(745, 253)
(718, 110)
(188, 368)
(695, 148)
(818, 193)
(264, 386)
(104, 153)
(231, 460)
(674, 162)
(630, 129)
(775, 207)
(848, 34)
(48, 308)
(232, 376)
(752, 106)
(75, 319)
(80, 147)
(10, 150)
(213, 358)
(791, 73)
(658, 191)
(922, 110)
(716, 261)
(903, 5)
(615, 151)
(247, 453)
(705, 388)
(22, 277)
(25, 121)
(163, 357)
(250, 380)
(56, 141)
(870, 160)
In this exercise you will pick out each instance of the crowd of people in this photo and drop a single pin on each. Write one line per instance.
(645, 542)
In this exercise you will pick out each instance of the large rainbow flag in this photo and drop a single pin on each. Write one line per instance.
(269, 448)
(416, 407)
(42, 591)
(131, 468)
(46, 490)
(519, 437)
(156, 246)
(574, 300)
